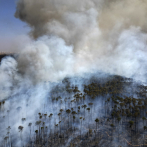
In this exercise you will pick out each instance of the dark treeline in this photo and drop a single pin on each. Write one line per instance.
(108, 111)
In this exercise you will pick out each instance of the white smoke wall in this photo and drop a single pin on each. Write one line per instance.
(67, 39)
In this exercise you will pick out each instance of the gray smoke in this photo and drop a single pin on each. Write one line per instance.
(104, 35)
(70, 38)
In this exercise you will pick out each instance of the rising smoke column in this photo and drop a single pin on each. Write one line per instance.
(70, 38)
(105, 35)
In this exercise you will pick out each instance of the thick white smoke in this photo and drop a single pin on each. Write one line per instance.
(47, 59)
(103, 35)
(71, 38)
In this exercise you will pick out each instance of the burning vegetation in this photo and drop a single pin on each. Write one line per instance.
(106, 111)
(93, 56)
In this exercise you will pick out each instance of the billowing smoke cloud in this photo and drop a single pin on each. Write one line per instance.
(71, 38)
(47, 59)
(105, 35)
(73, 19)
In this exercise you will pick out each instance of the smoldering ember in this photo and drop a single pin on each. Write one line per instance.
(78, 78)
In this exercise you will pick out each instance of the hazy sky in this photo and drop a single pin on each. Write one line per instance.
(12, 30)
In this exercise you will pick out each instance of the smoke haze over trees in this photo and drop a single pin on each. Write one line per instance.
(70, 39)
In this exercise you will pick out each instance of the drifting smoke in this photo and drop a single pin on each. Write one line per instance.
(71, 38)
(105, 35)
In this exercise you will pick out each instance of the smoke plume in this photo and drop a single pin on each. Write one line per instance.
(104, 35)
(70, 38)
